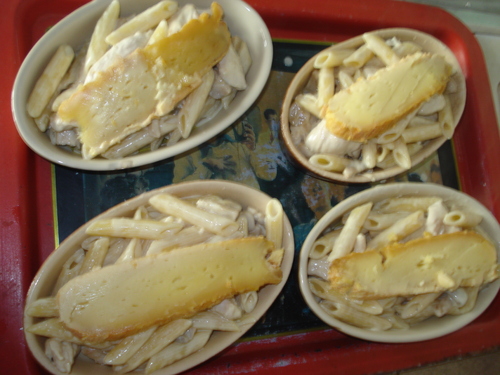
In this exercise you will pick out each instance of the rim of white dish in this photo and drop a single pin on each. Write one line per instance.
(432, 327)
(259, 42)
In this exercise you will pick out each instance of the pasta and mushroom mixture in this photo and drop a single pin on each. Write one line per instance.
(141, 82)
(145, 291)
(396, 262)
(373, 107)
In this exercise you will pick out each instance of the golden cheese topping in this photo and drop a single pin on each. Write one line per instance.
(146, 84)
(124, 298)
(371, 106)
(425, 265)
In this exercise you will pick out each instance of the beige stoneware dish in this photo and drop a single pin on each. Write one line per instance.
(46, 277)
(76, 28)
(432, 327)
(429, 44)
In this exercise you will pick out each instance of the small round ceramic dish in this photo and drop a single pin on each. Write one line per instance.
(293, 138)
(76, 29)
(44, 281)
(432, 327)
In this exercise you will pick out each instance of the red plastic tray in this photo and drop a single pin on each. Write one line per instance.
(27, 225)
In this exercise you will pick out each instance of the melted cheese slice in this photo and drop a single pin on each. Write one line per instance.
(424, 265)
(371, 106)
(146, 84)
(124, 298)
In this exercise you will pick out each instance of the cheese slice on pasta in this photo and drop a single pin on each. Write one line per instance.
(125, 298)
(146, 84)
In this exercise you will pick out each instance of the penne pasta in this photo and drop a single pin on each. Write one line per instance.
(462, 219)
(160, 339)
(95, 256)
(355, 317)
(324, 244)
(310, 103)
(143, 21)
(46, 85)
(193, 105)
(331, 58)
(171, 205)
(130, 228)
(326, 85)
(399, 230)
(401, 154)
(405, 204)
(274, 222)
(43, 308)
(104, 26)
(176, 351)
(359, 57)
(127, 347)
(347, 237)
(380, 48)
(329, 162)
(446, 119)
(422, 133)
(417, 304)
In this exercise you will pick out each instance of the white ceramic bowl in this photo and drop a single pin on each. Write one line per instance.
(429, 44)
(77, 27)
(430, 328)
(46, 277)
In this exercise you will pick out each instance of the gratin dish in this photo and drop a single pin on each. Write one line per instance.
(457, 99)
(47, 276)
(76, 28)
(430, 328)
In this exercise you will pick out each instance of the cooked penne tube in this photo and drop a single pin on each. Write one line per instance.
(345, 242)
(422, 133)
(462, 219)
(177, 351)
(401, 154)
(143, 21)
(324, 244)
(130, 228)
(355, 317)
(161, 338)
(219, 206)
(417, 304)
(446, 119)
(213, 321)
(43, 308)
(379, 221)
(310, 103)
(127, 347)
(369, 154)
(331, 58)
(435, 104)
(329, 162)
(104, 26)
(380, 48)
(247, 301)
(274, 222)
(46, 85)
(186, 237)
(322, 289)
(406, 48)
(410, 203)
(231, 69)
(243, 52)
(171, 205)
(318, 267)
(326, 85)
(193, 105)
(160, 32)
(70, 269)
(390, 159)
(359, 57)
(345, 79)
(95, 255)
(359, 244)
(399, 230)
(469, 304)
(393, 134)
(54, 328)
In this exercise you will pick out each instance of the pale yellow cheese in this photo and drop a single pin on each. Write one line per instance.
(424, 265)
(371, 106)
(124, 298)
(146, 84)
